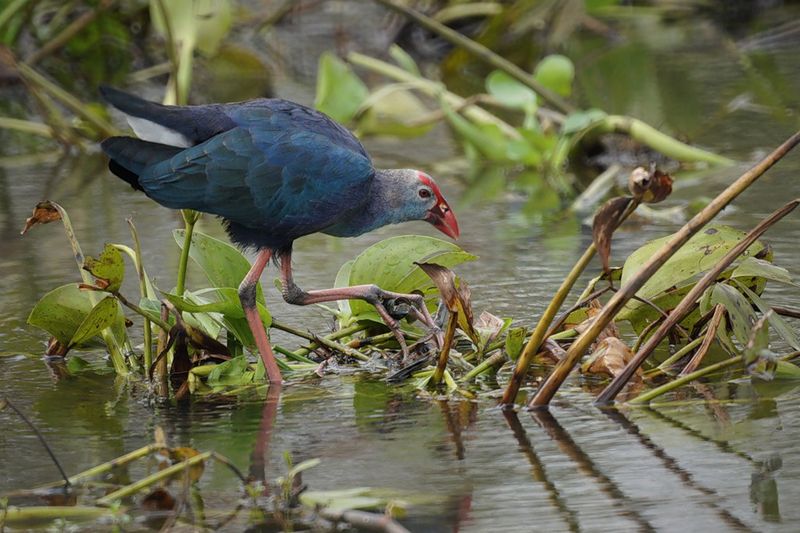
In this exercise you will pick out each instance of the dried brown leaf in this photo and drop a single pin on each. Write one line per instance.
(609, 357)
(158, 500)
(455, 294)
(606, 221)
(44, 213)
(550, 352)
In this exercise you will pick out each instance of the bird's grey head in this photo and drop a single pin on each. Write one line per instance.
(413, 195)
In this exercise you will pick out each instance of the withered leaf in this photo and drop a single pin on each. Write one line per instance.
(606, 221)
(455, 294)
(44, 213)
(609, 357)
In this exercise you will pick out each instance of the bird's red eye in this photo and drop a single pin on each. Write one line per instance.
(424, 193)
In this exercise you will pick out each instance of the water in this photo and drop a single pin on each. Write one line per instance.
(726, 464)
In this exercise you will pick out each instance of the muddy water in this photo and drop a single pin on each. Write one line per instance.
(731, 464)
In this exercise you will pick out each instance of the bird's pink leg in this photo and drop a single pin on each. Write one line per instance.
(247, 295)
(369, 293)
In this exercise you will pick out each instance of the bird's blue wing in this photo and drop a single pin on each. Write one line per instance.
(282, 178)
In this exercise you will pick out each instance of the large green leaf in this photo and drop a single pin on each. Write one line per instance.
(509, 91)
(699, 254)
(102, 316)
(61, 311)
(339, 91)
(223, 265)
(389, 264)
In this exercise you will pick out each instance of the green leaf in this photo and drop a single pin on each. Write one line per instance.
(109, 268)
(339, 91)
(223, 265)
(101, 316)
(342, 500)
(581, 120)
(556, 72)
(740, 311)
(61, 311)
(389, 264)
(759, 268)
(775, 320)
(509, 91)
(231, 372)
(515, 342)
(487, 139)
(699, 254)
(343, 280)
(786, 370)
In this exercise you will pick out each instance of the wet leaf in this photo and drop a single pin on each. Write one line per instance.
(101, 316)
(759, 268)
(700, 253)
(606, 221)
(740, 311)
(515, 342)
(61, 311)
(609, 358)
(390, 264)
(487, 139)
(786, 370)
(781, 326)
(649, 187)
(108, 268)
(340, 92)
(44, 213)
(230, 372)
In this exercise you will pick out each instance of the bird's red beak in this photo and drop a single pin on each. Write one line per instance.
(443, 219)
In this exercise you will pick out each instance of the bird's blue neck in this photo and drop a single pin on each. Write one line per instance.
(386, 205)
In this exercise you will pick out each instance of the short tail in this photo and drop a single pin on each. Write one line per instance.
(129, 157)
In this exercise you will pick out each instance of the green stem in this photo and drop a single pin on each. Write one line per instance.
(482, 53)
(143, 483)
(26, 126)
(10, 10)
(433, 89)
(496, 360)
(538, 335)
(677, 356)
(143, 293)
(189, 219)
(647, 134)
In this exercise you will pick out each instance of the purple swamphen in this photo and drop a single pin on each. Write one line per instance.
(273, 171)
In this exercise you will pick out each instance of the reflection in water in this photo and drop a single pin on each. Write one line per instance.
(671, 465)
(259, 460)
(569, 447)
(538, 470)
